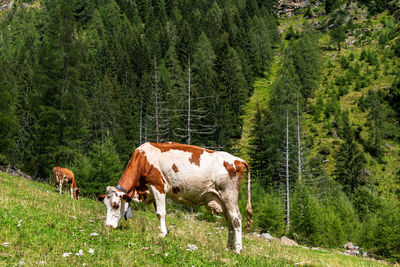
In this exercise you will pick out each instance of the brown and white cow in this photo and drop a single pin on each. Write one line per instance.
(186, 174)
(65, 176)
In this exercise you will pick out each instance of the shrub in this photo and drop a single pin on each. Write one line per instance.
(268, 210)
(381, 231)
(304, 215)
(344, 62)
(102, 167)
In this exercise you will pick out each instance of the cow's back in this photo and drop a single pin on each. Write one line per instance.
(189, 172)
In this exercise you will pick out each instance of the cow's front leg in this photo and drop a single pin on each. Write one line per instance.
(72, 192)
(159, 200)
(60, 187)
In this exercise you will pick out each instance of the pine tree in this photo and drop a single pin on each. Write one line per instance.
(259, 44)
(350, 160)
(338, 31)
(203, 89)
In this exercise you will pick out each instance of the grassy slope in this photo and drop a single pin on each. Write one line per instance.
(47, 230)
(321, 133)
(262, 87)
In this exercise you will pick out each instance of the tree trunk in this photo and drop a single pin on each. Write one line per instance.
(287, 173)
(189, 98)
(156, 99)
(298, 143)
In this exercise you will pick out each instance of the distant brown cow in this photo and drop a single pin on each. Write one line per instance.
(63, 175)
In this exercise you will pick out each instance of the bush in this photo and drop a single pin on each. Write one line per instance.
(344, 62)
(268, 210)
(343, 90)
(381, 231)
(304, 216)
(270, 215)
(102, 167)
(365, 201)
(396, 47)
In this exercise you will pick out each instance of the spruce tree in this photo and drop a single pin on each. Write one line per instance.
(350, 160)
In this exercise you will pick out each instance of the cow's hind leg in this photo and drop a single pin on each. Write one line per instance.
(160, 200)
(234, 221)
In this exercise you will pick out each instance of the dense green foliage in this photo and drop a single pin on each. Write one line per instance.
(79, 70)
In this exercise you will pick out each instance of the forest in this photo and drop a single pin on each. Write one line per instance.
(310, 100)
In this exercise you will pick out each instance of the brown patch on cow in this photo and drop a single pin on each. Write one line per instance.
(101, 198)
(175, 168)
(195, 150)
(230, 168)
(239, 171)
(175, 190)
(139, 174)
(236, 223)
(235, 169)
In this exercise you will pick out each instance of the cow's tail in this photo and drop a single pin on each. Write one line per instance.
(249, 210)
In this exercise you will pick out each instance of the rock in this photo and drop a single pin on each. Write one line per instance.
(287, 241)
(349, 246)
(267, 236)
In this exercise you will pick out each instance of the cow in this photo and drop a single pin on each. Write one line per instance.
(63, 175)
(186, 174)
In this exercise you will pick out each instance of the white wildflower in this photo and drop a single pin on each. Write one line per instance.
(21, 262)
(66, 254)
(6, 244)
(166, 254)
(94, 234)
(73, 217)
(19, 223)
(80, 253)
(83, 264)
(192, 247)
(42, 262)
(75, 227)
(91, 220)
(91, 251)
(222, 227)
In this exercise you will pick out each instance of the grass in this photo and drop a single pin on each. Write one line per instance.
(260, 96)
(40, 225)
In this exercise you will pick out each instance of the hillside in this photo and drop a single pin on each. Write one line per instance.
(38, 226)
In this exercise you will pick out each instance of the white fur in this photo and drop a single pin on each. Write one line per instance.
(114, 215)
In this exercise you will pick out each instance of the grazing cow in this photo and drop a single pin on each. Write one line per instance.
(63, 175)
(186, 174)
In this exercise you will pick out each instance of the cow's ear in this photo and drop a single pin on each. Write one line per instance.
(101, 197)
(126, 198)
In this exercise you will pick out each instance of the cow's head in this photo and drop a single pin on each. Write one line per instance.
(117, 203)
(76, 193)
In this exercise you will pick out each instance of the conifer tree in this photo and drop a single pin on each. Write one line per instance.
(350, 160)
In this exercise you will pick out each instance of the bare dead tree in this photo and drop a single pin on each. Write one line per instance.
(299, 162)
(189, 101)
(156, 99)
(287, 173)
